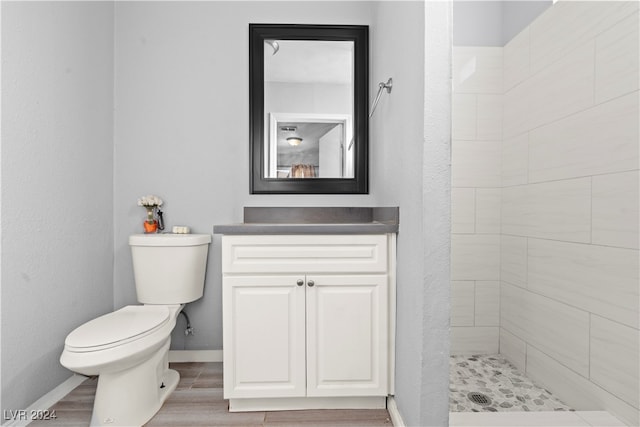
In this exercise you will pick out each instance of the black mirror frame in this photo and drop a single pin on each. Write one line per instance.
(359, 34)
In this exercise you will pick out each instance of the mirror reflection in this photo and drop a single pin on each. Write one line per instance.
(308, 108)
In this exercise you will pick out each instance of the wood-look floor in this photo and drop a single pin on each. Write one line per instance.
(197, 401)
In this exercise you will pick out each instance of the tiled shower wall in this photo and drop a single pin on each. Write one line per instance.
(568, 244)
(475, 199)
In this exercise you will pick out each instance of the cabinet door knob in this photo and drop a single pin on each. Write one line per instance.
(300, 282)
(310, 283)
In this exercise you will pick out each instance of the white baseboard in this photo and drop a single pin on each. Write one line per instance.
(392, 408)
(23, 417)
(195, 356)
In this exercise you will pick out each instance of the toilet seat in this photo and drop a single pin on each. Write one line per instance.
(128, 324)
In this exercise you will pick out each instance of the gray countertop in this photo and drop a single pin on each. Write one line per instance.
(314, 220)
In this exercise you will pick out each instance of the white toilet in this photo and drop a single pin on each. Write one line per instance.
(128, 349)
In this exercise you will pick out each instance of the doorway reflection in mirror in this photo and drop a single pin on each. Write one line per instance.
(320, 143)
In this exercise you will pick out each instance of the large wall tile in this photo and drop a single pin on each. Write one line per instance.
(515, 160)
(559, 330)
(560, 210)
(474, 340)
(463, 210)
(515, 113)
(514, 209)
(614, 358)
(602, 139)
(488, 210)
(475, 257)
(476, 174)
(463, 116)
(575, 390)
(599, 279)
(569, 24)
(487, 299)
(514, 349)
(462, 303)
(563, 88)
(475, 163)
(616, 209)
(617, 55)
(489, 117)
(477, 69)
(553, 210)
(516, 60)
(513, 260)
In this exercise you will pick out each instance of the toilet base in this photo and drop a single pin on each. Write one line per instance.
(133, 396)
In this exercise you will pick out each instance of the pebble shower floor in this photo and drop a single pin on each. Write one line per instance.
(497, 385)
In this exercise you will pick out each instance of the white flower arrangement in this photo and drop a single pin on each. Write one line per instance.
(150, 201)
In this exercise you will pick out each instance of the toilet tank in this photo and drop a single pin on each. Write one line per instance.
(169, 268)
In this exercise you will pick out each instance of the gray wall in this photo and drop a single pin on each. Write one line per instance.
(477, 23)
(57, 163)
(493, 23)
(410, 133)
(516, 15)
(436, 214)
(181, 127)
(396, 133)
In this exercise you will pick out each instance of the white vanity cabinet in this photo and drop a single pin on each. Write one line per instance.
(307, 320)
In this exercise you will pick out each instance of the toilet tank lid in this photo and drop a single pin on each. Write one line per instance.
(169, 239)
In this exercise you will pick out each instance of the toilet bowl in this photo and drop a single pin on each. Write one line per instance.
(128, 349)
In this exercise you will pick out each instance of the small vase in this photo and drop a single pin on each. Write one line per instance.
(150, 225)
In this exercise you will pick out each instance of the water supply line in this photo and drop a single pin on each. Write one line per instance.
(189, 330)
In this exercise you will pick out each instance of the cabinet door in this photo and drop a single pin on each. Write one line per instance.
(264, 336)
(347, 320)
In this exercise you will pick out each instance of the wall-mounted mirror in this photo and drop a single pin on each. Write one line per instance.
(308, 108)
